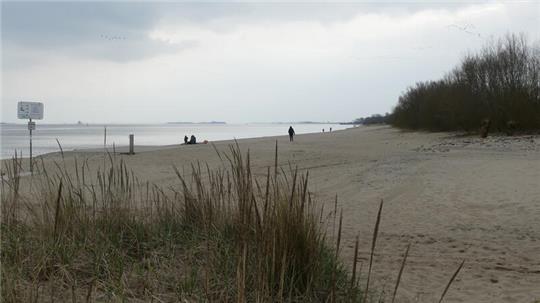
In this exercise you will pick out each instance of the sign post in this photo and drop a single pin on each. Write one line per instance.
(30, 110)
(131, 141)
(31, 126)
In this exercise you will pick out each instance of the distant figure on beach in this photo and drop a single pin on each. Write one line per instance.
(511, 127)
(192, 140)
(323, 130)
(291, 134)
(330, 129)
(186, 140)
(484, 129)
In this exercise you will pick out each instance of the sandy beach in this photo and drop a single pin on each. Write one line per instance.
(451, 197)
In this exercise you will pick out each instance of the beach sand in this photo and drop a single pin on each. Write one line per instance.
(452, 198)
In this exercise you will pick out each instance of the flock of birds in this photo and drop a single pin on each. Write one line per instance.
(468, 28)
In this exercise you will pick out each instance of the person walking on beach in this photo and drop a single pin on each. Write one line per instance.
(291, 134)
(186, 140)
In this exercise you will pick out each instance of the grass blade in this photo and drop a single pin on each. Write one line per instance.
(451, 280)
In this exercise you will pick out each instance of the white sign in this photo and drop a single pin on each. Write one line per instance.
(30, 110)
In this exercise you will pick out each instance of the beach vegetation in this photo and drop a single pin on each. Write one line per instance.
(218, 235)
(373, 119)
(499, 86)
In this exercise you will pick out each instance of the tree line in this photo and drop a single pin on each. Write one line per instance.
(373, 119)
(499, 85)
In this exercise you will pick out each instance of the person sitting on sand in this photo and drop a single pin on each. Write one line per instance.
(193, 140)
(291, 134)
(186, 140)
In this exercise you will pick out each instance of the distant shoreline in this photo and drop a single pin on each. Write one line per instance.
(211, 122)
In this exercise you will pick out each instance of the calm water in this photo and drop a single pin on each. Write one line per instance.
(15, 137)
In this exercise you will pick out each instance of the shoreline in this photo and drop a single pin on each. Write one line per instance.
(151, 147)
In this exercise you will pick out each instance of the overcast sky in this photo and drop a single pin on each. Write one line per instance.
(122, 62)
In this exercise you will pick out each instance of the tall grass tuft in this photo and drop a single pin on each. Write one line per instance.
(219, 235)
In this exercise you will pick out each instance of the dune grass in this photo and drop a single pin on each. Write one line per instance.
(219, 235)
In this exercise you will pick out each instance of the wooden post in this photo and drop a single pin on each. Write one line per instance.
(131, 139)
(31, 163)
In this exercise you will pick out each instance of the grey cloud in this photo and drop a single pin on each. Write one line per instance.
(46, 24)
(111, 31)
(57, 24)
